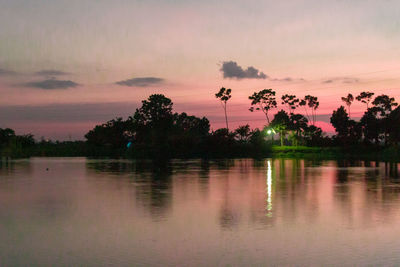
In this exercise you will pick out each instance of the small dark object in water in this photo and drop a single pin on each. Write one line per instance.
(47, 169)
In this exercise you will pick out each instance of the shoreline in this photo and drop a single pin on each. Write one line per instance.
(391, 154)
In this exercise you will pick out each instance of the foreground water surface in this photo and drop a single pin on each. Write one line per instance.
(84, 212)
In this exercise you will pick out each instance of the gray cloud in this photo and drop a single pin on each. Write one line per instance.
(342, 80)
(6, 72)
(52, 84)
(51, 73)
(231, 69)
(288, 79)
(141, 82)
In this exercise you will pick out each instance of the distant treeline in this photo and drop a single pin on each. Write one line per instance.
(155, 131)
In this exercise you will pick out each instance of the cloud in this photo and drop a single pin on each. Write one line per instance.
(51, 73)
(231, 69)
(288, 79)
(342, 80)
(52, 84)
(141, 82)
(6, 72)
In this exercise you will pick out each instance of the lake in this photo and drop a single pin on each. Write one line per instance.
(76, 211)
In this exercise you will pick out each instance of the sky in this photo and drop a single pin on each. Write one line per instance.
(67, 65)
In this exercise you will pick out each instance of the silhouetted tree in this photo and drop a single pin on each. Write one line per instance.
(191, 125)
(365, 97)
(243, 133)
(155, 111)
(291, 101)
(340, 121)
(153, 121)
(263, 100)
(382, 108)
(298, 124)
(154, 131)
(112, 133)
(314, 137)
(383, 105)
(221, 142)
(281, 124)
(224, 95)
(313, 104)
(348, 131)
(348, 100)
(394, 126)
(25, 140)
(6, 135)
(189, 134)
(371, 127)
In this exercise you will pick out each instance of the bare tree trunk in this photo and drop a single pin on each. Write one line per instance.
(308, 117)
(226, 118)
(266, 114)
(349, 112)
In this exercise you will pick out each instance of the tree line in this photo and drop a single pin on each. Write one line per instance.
(379, 125)
(155, 130)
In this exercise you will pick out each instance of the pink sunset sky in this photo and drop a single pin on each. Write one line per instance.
(67, 65)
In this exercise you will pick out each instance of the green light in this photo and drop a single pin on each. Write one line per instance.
(269, 132)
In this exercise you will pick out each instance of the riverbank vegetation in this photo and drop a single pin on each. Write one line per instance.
(156, 131)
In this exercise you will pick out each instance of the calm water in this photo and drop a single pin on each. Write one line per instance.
(241, 212)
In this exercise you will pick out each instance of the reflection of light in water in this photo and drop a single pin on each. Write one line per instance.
(269, 189)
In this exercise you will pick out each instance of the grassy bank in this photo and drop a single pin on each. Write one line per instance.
(355, 152)
(82, 149)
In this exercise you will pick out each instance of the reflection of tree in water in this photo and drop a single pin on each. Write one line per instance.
(342, 192)
(225, 164)
(392, 169)
(343, 166)
(363, 196)
(342, 176)
(9, 167)
(296, 191)
(153, 183)
(227, 217)
(6, 167)
(204, 178)
(204, 169)
(118, 167)
(313, 163)
(258, 163)
(156, 195)
(153, 180)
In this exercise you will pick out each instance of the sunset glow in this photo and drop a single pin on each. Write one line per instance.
(110, 55)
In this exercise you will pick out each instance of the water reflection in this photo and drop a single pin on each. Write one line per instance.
(269, 189)
(305, 190)
(199, 212)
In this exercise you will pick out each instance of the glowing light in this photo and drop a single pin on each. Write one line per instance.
(270, 131)
(269, 189)
(129, 145)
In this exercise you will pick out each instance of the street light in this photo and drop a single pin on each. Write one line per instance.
(271, 132)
